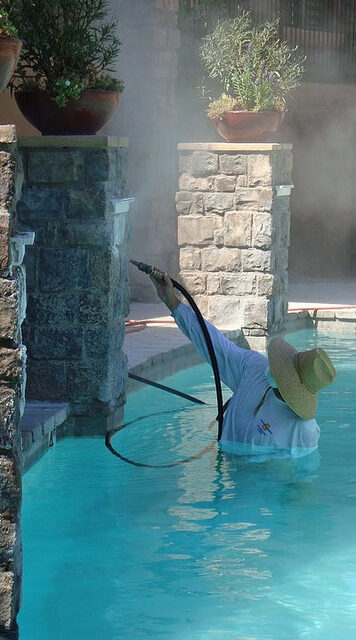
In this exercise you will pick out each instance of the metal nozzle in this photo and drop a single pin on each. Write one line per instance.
(147, 268)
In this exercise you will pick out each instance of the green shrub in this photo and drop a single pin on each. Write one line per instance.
(251, 64)
(68, 45)
(7, 27)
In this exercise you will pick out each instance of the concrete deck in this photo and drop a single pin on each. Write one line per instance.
(327, 305)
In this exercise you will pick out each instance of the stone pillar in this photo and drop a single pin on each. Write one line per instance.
(233, 233)
(78, 293)
(12, 377)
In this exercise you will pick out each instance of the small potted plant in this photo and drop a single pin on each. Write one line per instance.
(257, 73)
(63, 84)
(10, 45)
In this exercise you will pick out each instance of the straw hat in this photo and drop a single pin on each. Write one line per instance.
(299, 375)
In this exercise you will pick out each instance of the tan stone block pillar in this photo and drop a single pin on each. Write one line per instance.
(233, 233)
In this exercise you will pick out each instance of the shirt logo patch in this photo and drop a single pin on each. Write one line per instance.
(264, 428)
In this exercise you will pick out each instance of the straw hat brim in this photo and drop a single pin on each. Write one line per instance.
(281, 357)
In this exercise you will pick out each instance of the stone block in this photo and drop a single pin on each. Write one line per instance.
(85, 379)
(105, 268)
(257, 199)
(224, 183)
(9, 417)
(195, 283)
(265, 284)
(9, 535)
(203, 163)
(203, 303)
(224, 311)
(190, 183)
(94, 309)
(259, 170)
(189, 259)
(263, 231)
(237, 229)
(5, 232)
(194, 230)
(9, 308)
(99, 342)
(40, 203)
(31, 264)
(10, 487)
(233, 164)
(7, 178)
(239, 284)
(88, 202)
(188, 202)
(8, 134)
(219, 237)
(255, 313)
(55, 166)
(218, 203)
(220, 259)
(63, 269)
(54, 343)
(11, 364)
(256, 260)
(46, 380)
(213, 281)
(81, 233)
(100, 165)
(52, 309)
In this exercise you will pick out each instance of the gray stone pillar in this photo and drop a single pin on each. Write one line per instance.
(12, 377)
(233, 233)
(78, 293)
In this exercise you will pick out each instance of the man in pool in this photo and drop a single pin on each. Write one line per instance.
(273, 406)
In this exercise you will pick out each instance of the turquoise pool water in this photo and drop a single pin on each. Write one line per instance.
(217, 549)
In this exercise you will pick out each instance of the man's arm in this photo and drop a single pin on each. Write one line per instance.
(230, 357)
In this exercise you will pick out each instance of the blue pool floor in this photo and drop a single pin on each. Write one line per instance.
(220, 548)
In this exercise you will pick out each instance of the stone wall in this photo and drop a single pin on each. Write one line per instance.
(147, 115)
(233, 233)
(78, 293)
(12, 378)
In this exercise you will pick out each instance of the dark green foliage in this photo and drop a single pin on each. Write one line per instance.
(7, 27)
(68, 44)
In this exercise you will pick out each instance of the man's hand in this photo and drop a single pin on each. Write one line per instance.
(165, 290)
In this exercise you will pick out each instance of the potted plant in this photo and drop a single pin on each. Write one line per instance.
(257, 73)
(10, 45)
(63, 84)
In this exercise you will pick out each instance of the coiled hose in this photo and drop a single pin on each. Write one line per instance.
(146, 268)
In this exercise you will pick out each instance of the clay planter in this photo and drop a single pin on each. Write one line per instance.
(248, 126)
(10, 49)
(84, 116)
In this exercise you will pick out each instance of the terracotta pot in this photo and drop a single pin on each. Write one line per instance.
(10, 49)
(84, 116)
(248, 126)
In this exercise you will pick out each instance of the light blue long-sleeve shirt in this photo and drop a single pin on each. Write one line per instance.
(275, 430)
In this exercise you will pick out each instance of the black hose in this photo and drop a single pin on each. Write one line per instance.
(219, 398)
(213, 360)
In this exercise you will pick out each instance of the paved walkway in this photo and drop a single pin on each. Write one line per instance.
(159, 334)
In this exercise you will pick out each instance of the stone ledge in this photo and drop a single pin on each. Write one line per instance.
(77, 142)
(233, 146)
(38, 426)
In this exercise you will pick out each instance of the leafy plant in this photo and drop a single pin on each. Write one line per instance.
(7, 27)
(67, 46)
(251, 64)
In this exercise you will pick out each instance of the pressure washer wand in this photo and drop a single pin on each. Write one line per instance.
(151, 271)
(147, 268)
